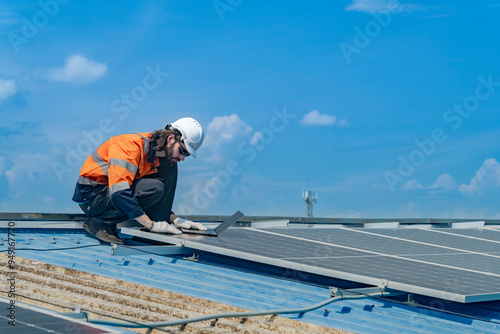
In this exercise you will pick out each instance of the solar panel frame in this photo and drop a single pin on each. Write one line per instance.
(484, 234)
(34, 320)
(360, 256)
(450, 238)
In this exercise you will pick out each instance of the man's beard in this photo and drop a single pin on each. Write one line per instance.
(170, 153)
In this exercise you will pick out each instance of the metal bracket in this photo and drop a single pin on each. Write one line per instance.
(383, 284)
(194, 257)
(369, 291)
(333, 291)
(411, 300)
(113, 248)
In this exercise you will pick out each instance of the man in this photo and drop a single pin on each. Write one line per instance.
(134, 176)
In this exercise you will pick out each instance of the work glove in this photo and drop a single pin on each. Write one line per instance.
(187, 224)
(164, 227)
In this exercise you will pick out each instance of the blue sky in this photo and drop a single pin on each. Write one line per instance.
(384, 108)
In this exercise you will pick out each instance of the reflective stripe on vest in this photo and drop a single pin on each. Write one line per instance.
(100, 162)
(146, 143)
(123, 163)
(86, 180)
(118, 186)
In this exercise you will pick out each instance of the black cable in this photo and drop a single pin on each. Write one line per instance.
(425, 307)
(47, 302)
(51, 249)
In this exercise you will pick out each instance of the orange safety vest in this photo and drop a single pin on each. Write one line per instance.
(117, 163)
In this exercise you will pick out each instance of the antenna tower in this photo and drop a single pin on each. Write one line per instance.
(310, 198)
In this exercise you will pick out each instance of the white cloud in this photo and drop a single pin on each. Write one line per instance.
(487, 177)
(412, 185)
(256, 137)
(368, 6)
(212, 184)
(223, 130)
(26, 168)
(445, 182)
(314, 118)
(77, 69)
(29, 184)
(226, 128)
(378, 6)
(343, 123)
(7, 88)
(25, 171)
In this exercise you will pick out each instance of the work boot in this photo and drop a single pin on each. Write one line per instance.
(103, 232)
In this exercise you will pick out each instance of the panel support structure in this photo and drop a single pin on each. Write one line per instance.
(155, 250)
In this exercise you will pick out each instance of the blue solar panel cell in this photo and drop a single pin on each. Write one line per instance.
(30, 320)
(458, 266)
(475, 240)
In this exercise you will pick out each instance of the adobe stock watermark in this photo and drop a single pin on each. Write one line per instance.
(371, 30)
(247, 149)
(31, 26)
(119, 107)
(12, 274)
(453, 116)
(223, 6)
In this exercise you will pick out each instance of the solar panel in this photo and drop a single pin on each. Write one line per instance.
(30, 320)
(458, 265)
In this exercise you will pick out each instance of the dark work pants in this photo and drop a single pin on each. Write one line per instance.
(154, 193)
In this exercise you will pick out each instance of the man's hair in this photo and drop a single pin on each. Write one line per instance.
(159, 138)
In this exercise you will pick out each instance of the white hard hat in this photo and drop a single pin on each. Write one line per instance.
(192, 133)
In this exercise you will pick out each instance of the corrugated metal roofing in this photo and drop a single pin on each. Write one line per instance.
(250, 290)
